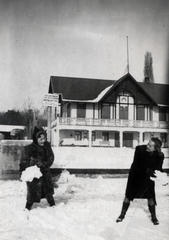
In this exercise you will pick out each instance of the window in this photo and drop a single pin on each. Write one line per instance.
(163, 137)
(93, 136)
(68, 110)
(105, 136)
(125, 103)
(78, 136)
(162, 114)
(81, 110)
(105, 111)
(123, 114)
(140, 112)
(128, 139)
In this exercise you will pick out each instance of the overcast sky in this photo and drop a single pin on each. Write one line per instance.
(77, 38)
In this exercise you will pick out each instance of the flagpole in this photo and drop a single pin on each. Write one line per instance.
(127, 56)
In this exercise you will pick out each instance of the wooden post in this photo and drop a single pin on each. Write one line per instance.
(140, 138)
(49, 123)
(90, 138)
(121, 139)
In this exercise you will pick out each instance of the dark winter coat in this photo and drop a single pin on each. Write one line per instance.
(43, 157)
(139, 184)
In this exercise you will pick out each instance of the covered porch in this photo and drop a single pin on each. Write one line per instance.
(105, 137)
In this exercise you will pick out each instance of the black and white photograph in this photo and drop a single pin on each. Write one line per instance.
(84, 119)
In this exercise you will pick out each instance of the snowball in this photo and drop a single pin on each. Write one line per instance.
(161, 177)
(30, 173)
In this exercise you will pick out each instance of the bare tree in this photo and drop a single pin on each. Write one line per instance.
(29, 116)
(148, 68)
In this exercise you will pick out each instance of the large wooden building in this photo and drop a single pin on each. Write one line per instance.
(108, 113)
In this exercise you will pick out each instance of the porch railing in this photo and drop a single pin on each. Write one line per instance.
(111, 123)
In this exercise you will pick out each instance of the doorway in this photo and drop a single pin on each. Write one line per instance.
(128, 140)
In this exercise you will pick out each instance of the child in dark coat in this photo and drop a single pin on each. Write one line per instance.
(38, 153)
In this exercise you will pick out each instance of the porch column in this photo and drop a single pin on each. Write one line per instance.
(57, 137)
(140, 138)
(111, 112)
(135, 112)
(90, 138)
(121, 139)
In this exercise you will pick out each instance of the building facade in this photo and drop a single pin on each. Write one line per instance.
(108, 113)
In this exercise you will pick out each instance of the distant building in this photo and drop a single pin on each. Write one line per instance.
(12, 132)
(108, 113)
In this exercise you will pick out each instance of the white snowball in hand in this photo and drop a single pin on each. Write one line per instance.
(30, 173)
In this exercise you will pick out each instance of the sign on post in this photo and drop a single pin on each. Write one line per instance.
(51, 100)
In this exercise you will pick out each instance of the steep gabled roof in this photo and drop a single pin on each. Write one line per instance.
(78, 88)
(85, 89)
(159, 92)
(128, 83)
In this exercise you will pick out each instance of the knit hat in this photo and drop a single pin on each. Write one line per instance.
(158, 143)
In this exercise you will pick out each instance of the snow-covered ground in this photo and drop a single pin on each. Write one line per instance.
(86, 209)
